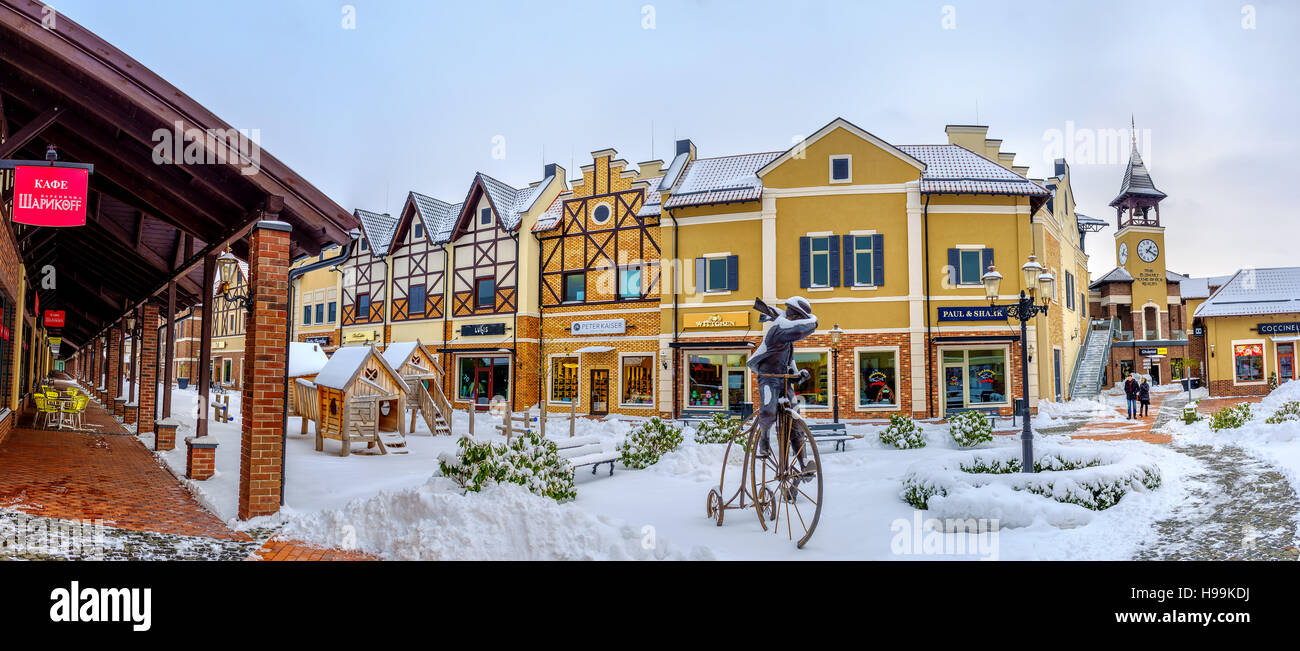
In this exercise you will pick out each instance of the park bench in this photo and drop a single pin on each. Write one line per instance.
(835, 433)
(584, 451)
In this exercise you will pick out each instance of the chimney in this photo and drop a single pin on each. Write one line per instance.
(686, 147)
(970, 136)
(650, 169)
(992, 147)
(551, 169)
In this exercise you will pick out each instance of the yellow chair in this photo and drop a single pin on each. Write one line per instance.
(45, 407)
(74, 410)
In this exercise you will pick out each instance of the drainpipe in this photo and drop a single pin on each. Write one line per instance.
(542, 390)
(929, 335)
(294, 274)
(677, 280)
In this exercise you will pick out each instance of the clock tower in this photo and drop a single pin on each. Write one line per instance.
(1140, 249)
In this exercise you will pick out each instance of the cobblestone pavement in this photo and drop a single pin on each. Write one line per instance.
(1240, 508)
(28, 537)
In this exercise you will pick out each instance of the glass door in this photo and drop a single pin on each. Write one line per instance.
(954, 383)
(1285, 362)
(599, 392)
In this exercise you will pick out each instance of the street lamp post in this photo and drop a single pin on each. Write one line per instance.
(1036, 280)
(836, 333)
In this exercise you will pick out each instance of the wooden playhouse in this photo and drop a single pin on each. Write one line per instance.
(422, 373)
(360, 397)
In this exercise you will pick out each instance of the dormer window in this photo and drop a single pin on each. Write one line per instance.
(364, 244)
(485, 217)
(419, 230)
(841, 169)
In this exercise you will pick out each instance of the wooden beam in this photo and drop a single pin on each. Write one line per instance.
(29, 131)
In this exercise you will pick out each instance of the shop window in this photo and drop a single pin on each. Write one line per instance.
(974, 378)
(485, 293)
(629, 282)
(716, 380)
(877, 378)
(564, 379)
(816, 391)
(415, 299)
(841, 169)
(575, 287)
(480, 379)
(637, 373)
(1248, 362)
(363, 307)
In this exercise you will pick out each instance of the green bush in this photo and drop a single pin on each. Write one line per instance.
(528, 460)
(903, 433)
(1288, 411)
(1230, 417)
(646, 444)
(970, 428)
(720, 428)
(1189, 414)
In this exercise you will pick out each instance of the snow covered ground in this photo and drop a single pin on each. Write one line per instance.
(392, 505)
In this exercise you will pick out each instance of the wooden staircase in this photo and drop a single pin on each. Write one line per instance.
(436, 411)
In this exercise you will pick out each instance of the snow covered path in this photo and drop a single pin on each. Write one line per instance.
(1239, 508)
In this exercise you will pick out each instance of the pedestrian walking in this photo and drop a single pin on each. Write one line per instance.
(1144, 396)
(1131, 387)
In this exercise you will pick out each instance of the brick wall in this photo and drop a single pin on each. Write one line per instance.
(148, 370)
(261, 446)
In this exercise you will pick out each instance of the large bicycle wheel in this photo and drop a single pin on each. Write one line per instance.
(788, 483)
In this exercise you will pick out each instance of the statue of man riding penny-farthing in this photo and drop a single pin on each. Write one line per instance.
(781, 471)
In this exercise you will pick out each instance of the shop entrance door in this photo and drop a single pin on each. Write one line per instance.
(599, 392)
(954, 386)
(1285, 362)
(1056, 372)
(482, 394)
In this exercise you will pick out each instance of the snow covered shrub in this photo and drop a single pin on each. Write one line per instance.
(1272, 381)
(903, 433)
(719, 428)
(528, 460)
(1189, 414)
(970, 428)
(647, 443)
(1230, 417)
(1288, 411)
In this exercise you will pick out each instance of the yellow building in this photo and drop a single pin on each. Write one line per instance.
(229, 321)
(315, 309)
(1251, 327)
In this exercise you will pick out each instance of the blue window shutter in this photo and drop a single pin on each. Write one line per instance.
(700, 287)
(987, 260)
(877, 259)
(805, 262)
(954, 268)
(733, 273)
(850, 251)
(833, 243)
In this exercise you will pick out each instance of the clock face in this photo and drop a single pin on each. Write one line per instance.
(1123, 252)
(1148, 250)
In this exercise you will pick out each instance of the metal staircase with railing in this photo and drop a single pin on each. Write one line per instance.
(1085, 382)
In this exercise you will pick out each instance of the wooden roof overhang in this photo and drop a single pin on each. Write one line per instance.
(147, 223)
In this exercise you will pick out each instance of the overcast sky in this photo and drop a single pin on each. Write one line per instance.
(420, 94)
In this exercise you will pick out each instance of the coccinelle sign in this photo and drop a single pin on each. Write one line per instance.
(50, 196)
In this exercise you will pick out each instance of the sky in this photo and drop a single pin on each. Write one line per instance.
(371, 99)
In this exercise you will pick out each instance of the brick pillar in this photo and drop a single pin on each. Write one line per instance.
(200, 457)
(148, 369)
(261, 452)
(165, 435)
(112, 386)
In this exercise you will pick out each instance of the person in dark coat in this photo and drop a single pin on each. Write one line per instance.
(773, 363)
(1144, 396)
(1131, 388)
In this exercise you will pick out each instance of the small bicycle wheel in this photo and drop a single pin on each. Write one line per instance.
(792, 475)
(714, 506)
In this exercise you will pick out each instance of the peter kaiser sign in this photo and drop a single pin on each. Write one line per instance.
(50, 196)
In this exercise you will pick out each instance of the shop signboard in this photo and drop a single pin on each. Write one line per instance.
(50, 196)
(320, 341)
(1149, 351)
(1279, 328)
(717, 320)
(54, 318)
(482, 329)
(973, 313)
(599, 327)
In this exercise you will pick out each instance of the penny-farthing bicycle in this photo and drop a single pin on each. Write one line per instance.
(784, 488)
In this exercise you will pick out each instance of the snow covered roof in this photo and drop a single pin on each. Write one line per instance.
(1090, 224)
(956, 169)
(344, 364)
(719, 180)
(1137, 180)
(438, 216)
(1274, 290)
(510, 202)
(398, 352)
(653, 203)
(379, 229)
(1116, 275)
(306, 359)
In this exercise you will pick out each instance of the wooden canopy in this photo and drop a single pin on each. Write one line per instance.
(148, 224)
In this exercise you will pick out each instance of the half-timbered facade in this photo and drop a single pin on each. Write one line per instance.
(599, 266)
(365, 281)
(418, 263)
(229, 320)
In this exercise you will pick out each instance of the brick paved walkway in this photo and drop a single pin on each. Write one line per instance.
(1162, 406)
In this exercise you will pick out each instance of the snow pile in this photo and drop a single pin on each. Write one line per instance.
(975, 484)
(1275, 443)
(1077, 408)
(438, 521)
(306, 359)
(699, 462)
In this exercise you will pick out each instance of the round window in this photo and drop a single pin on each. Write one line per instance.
(601, 214)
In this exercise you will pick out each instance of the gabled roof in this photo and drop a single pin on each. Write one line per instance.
(1116, 275)
(956, 169)
(379, 229)
(344, 365)
(438, 217)
(840, 123)
(554, 213)
(1256, 291)
(1089, 224)
(1137, 181)
(720, 180)
(306, 359)
(509, 203)
(653, 204)
(398, 353)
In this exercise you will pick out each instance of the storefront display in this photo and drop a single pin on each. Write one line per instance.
(564, 379)
(637, 373)
(480, 379)
(877, 378)
(1248, 360)
(974, 378)
(716, 380)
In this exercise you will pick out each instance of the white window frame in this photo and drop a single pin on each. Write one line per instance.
(686, 375)
(812, 260)
(654, 373)
(1006, 352)
(708, 258)
(1232, 348)
(825, 352)
(978, 250)
(607, 219)
(871, 248)
(830, 172)
(550, 380)
(857, 377)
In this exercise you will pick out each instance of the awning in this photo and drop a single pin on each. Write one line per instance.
(594, 349)
(1283, 340)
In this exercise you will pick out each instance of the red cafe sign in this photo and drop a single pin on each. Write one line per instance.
(54, 318)
(50, 196)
